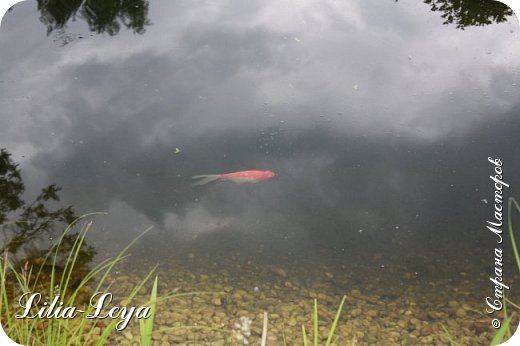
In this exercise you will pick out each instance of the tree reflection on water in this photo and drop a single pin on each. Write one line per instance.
(465, 13)
(107, 16)
(102, 16)
(29, 228)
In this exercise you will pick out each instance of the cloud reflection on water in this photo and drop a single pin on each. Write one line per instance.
(369, 115)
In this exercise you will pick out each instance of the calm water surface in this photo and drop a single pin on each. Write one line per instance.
(377, 116)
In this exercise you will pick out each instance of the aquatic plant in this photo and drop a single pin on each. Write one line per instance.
(504, 332)
(315, 331)
(16, 280)
(146, 325)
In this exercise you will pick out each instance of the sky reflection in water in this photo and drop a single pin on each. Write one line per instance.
(374, 115)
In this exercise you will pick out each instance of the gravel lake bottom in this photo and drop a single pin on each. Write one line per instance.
(391, 299)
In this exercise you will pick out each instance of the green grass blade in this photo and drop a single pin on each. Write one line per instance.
(510, 226)
(499, 336)
(315, 318)
(36, 332)
(112, 325)
(283, 339)
(72, 260)
(449, 337)
(512, 304)
(304, 336)
(335, 323)
(118, 259)
(146, 325)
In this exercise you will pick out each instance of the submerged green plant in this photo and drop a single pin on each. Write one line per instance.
(332, 330)
(510, 228)
(504, 332)
(146, 326)
(59, 331)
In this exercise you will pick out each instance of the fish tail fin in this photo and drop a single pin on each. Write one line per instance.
(204, 179)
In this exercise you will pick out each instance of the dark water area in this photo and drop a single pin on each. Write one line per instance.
(378, 118)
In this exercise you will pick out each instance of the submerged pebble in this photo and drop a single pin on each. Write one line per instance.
(378, 309)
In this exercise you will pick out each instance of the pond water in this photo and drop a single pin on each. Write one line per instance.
(377, 117)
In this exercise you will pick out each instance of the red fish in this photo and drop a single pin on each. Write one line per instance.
(242, 177)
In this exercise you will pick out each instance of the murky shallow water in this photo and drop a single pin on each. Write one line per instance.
(378, 119)
(403, 302)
